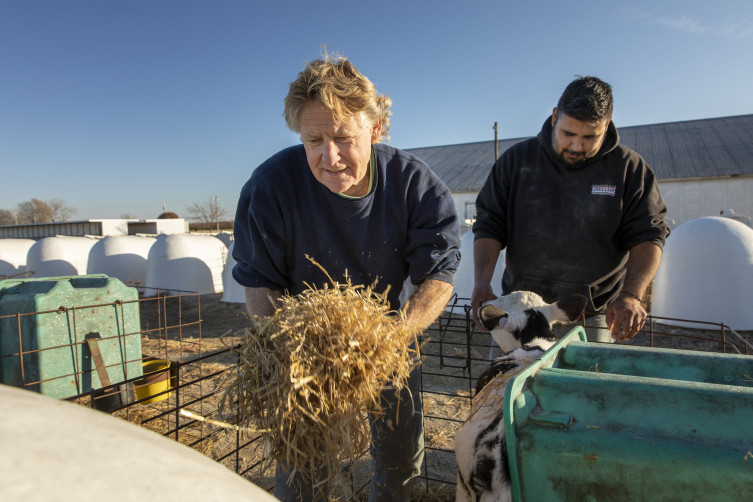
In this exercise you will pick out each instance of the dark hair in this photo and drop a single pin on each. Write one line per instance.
(587, 99)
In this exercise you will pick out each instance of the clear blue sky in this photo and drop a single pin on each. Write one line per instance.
(114, 106)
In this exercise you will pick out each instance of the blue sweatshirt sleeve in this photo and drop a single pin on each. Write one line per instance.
(259, 245)
(433, 247)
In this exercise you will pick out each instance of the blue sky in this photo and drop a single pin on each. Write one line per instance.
(116, 106)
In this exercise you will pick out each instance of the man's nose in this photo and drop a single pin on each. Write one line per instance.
(576, 145)
(331, 154)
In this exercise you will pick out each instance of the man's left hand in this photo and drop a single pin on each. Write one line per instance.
(625, 317)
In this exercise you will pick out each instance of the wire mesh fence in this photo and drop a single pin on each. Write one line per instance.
(162, 374)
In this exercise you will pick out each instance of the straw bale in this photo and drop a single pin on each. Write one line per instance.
(310, 373)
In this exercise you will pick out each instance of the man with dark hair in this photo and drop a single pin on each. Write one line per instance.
(576, 212)
(587, 99)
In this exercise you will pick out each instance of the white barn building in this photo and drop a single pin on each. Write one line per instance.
(97, 228)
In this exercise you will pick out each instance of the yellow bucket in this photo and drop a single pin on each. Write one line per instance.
(156, 379)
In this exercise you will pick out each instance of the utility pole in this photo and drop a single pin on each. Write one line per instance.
(496, 145)
(217, 213)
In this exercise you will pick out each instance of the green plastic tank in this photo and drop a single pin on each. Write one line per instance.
(592, 422)
(44, 326)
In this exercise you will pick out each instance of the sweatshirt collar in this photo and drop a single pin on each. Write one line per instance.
(611, 140)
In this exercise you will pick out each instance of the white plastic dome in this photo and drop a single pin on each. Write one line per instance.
(233, 292)
(185, 262)
(121, 256)
(225, 237)
(464, 275)
(13, 254)
(706, 274)
(59, 256)
(55, 450)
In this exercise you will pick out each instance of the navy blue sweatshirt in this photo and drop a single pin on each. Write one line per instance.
(404, 231)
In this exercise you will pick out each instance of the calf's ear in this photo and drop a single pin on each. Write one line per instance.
(489, 315)
(573, 306)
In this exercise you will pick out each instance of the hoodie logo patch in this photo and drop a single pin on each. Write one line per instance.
(603, 190)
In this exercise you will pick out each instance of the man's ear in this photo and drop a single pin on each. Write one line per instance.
(554, 116)
(376, 131)
(489, 315)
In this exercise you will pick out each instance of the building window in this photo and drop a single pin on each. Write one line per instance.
(470, 211)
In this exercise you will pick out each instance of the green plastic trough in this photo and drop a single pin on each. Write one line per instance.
(592, 422)
(44, 323)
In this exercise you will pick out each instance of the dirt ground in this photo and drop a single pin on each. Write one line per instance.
(452, 359)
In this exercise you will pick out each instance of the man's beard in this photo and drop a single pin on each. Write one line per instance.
(569, 164)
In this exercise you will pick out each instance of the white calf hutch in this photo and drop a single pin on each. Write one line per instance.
(121, 256)
(58, 256)
(707, 273)
(183, 262)
(13, 253)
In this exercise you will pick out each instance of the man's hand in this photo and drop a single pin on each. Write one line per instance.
(485, 255)
(625, 317)
(482, 292)
(261, 301)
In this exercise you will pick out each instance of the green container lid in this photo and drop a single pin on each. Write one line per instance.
(44, 323)
(592, 421)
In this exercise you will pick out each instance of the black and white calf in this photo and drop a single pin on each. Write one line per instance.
(520, 324)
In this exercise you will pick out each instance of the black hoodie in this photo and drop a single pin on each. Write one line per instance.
(569, 230)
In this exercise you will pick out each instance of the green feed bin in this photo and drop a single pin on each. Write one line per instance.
(44, 326)
(592, 422)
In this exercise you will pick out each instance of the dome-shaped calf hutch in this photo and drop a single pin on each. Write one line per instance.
(225, 237)
(232, 292)
(59, 256)
(13, 254)
(185, 263)
(706, 274)
(55, 450)
(121, 256)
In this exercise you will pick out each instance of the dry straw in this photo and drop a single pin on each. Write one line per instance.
(309, 374)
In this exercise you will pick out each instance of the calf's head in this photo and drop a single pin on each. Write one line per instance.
(522, 326)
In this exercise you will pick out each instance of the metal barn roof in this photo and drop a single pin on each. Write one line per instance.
(707, 148)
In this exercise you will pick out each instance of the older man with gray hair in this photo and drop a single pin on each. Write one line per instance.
(355, 205)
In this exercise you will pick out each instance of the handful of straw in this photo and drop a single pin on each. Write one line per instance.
(309, 374)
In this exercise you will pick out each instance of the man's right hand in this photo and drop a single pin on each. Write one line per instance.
(485, 255)
(481, 293)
